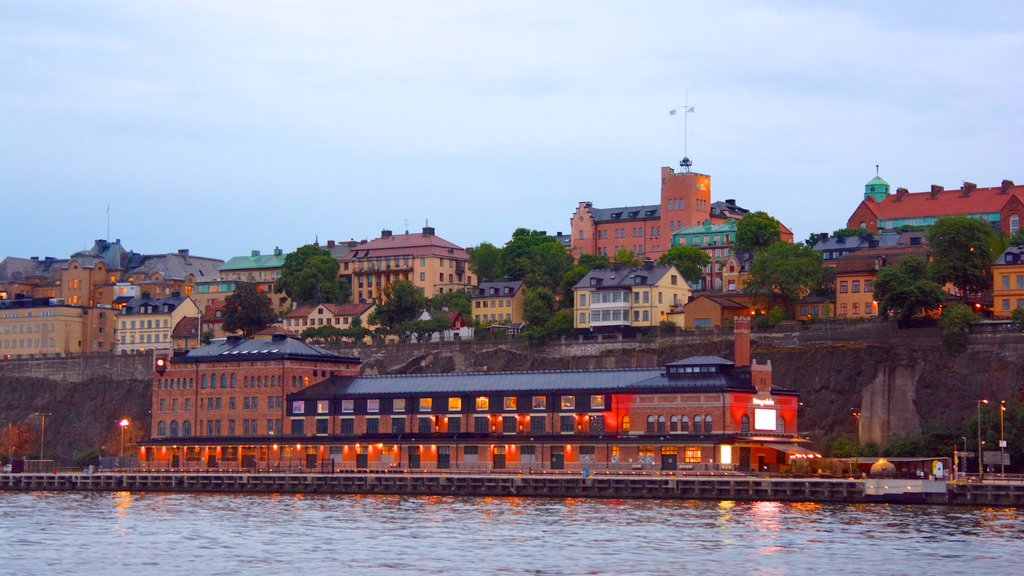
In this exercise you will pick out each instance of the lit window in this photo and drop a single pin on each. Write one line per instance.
(691, 454)
(455, 404)
(540, 402)
(323, 406)
(510, 402)
(568, 403)
(398, 405)
(426, 404)
(597, 402)
(482, 403)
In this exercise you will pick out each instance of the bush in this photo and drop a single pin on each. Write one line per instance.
(1018, 317)
(955, 322)
(769, 320)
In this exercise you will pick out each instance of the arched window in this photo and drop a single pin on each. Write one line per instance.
(661, 424)
(745, 424)
(174, 428)
(707, 424)
(673, 424)
(245, 382)
(213, 380)
(294, 380)
(223, 380)
(780, 425)
(625, 424)
(650, 424)
(161, 428)
(202, 382)
(684, 424)
(1014, 224)
(259, 381)
(698, 424)
(234, 381)
(186, 428)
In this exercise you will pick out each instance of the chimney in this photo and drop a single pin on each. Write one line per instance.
(901, 193)
(823, 236)
(936, 190)
(648, 264)
(385, 233)
(255, 253)
(968, 188)
(1005, 187)
(330, 243)
(741, 336)
(730, 201)
(428, 230)
(278, 251)
(183, 252)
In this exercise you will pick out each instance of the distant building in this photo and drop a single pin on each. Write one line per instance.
(1008, 282)
(1001, 206)
(498, 302)
(147, 323)
(423, 258)
(616, 299)
(37, 327)
(457, 328)
(856, 274)
(261, 269)
(340, 316)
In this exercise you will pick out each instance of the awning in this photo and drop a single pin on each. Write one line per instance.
(792, 450)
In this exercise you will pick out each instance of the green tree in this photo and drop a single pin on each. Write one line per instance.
(401, 302)
(593, 261)
(955, 325)
(961, 253)
(538, 305)
(756, 230)
(626, 258)
(310, 276)
(1018, 238)
(788, 270)
(424, 329)
(485, 260)
(535, 257)
(323, 334)
(247, 310)
(586, 263)
(356, 331)
(455, 300)
(770, 319)
(688, 260)
(1018, 316)
(905, 290)
(206, 337)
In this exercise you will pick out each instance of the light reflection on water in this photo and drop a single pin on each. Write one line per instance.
(143, 533)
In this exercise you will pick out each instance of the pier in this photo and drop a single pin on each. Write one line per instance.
(743, 488)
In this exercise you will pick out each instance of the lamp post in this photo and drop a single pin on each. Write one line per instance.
(123, 423)
(42, 431)
(1002, 439)
(981, 470)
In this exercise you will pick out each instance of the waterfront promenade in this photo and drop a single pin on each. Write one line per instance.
(697, 487)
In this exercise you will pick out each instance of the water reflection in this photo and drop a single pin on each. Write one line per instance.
(121, 532)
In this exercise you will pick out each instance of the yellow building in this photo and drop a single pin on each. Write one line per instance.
(147, 323)
(857, 272)
(498, 302)
(425, 259)
(1008, 282)
(263, 270)
(611, 299)
(36, 327)
(338, 315)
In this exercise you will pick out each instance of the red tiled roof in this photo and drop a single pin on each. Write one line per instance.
(417, 244)
(356, 309)
(187, 327)
(945, 203)
(210, 313)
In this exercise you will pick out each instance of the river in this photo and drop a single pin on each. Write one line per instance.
(148, 533)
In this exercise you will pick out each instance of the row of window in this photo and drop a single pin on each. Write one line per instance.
(231, 381)
(499, 303)
(854, 286)
(1006, 304)
(28, 328)
(144, 324)
(615, 315)
(532, 424)
(149, 338)
(492, 317)
(14, 344)
(454, 404)
(1005, 281)
(250, 427)
(869, 309)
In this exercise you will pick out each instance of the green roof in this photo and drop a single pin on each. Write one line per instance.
(255, 261)
(877, 180)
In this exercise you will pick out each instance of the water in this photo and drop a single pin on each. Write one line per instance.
(127, 533)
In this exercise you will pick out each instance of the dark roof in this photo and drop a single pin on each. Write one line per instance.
(727, 209)
(483, 290)
(163, 305)
(237, 349)
(867, 259)
(702, 361)
(623, 277)
(644, 212)
(1013, 256)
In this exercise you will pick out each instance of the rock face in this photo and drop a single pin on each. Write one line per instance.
(899, 381)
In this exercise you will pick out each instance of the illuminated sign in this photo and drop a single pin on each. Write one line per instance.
(766, 402)
(725, 454)
(764, 419)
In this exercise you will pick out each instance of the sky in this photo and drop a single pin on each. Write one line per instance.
(227, 126)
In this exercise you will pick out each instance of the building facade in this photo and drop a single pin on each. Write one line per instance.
(1001, 206)
(147, 323)
(338, 315)
(616, 299)
(226, 401)
(857, 272)
(1008, 282)
(260, 269)
(498, 303)
(38, 327)
(425, 259)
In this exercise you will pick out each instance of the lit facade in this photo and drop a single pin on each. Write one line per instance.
(614, 299)
(338, 315)
(1008, 282)
(38, 327)
(147, 323)
(856, 274)
(260, 269)
(498, 303)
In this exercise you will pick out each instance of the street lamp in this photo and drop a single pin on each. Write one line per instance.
(42, 431)
(1002, 439)
(123, 424)
(981, 471)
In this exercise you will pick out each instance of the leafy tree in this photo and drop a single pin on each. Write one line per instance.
(356, 331)
(955, 324)
(560, 322)
(1018, 238)
(826, 287)
(593, 261)
(788, 270)
(310, 276)
(247, 310)
(456, 301)
(206, 337)
(688, 260)
(625, 257)
(401, 301)
(905, 290)
(323, 333)
(961, 253)
(586, 263)
(534, 256)
(485, 260)
(1018, 316)
(538, 305)
(770, 319)
(423, 329)
(756, 230)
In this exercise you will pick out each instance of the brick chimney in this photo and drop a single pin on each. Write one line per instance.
(1005, 187)
(936, 190)
(901, 193)
(741, 335)
(968, 188)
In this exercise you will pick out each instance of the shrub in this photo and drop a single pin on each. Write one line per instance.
(955, 322)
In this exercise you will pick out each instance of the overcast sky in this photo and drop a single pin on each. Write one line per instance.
(227, 126)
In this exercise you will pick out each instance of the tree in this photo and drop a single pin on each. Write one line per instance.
(756, 230)
(538, 305)
(593, 261)
(323, 333)
(961, 253)
(247, 310)
(535, 257)
(955, 324)
(688, 260)
(356, 331)
(455, 300)
(905, 290)
(401, 301)
(1018, 317)
(310, 276)
(16, 440)
(586, 263)
(1018, 238)
(485, 260)
(626, 258)
(789, 270)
